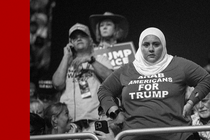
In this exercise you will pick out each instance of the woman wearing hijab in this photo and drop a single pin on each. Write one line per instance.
(109, 28)
(153, 89)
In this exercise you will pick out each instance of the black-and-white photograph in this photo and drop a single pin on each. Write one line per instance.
(139, 67)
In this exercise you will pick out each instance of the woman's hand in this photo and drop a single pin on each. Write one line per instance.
(67, 50)
(119, 119)
(79, 60)
(187, 111)
(104, 136)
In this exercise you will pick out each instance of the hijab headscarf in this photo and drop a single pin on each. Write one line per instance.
(144, 67)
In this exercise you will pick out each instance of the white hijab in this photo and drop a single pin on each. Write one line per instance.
(144, 67)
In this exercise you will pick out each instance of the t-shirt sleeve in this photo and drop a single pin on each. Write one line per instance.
(109, 89)
(199, 78)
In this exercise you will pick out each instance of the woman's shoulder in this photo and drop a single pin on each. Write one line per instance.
(181, 60)
(126, 69)
(178, 58)
(126, 66)
(179, 63)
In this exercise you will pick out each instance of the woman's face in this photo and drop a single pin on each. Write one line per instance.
(107, 28)
(80, 40)
(64, 121)
(204, 107)
(151, 48)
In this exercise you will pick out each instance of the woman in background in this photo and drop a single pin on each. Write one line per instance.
(109, 28)
(37, 107)
(57, 119)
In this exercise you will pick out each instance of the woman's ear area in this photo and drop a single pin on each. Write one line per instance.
(70, 40)
(54, 120)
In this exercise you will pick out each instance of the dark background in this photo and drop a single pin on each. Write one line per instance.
(185, 23)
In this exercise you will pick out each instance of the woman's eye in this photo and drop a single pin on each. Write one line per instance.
(146, 44)
(67, 113)
(156, 44)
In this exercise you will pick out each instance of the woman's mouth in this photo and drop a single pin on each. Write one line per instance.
(151, 55)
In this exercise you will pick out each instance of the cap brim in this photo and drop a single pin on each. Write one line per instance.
(77, 30)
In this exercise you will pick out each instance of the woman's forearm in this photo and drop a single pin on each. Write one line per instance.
(59, 77)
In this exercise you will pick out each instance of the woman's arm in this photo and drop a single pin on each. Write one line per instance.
(109, 89)
(102, 67)
(59, 77)
(199, 78)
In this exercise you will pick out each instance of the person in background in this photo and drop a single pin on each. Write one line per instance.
(202, 116)
(37, 107)
(33, 92)
(79, 76)
(153, 89)
(38, 26)
(46, 92)
(57, 119)
(37, 125)
(108, 28)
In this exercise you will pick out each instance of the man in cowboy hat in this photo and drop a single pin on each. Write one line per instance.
(108, 28)
(79, 76)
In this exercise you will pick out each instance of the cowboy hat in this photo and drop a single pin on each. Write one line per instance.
(117, 19)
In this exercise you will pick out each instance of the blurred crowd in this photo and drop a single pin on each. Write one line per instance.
(40, 46)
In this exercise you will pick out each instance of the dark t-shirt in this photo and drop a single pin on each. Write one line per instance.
(156, 100)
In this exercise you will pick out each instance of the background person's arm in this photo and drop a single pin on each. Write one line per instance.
(102, 67)
(59, 77)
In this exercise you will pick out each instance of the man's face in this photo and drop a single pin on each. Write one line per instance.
(80, 40)
(204, 107)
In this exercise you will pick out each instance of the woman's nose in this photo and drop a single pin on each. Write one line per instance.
(70, 119)
(151, 48)
(200, 105)
(104, 27)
